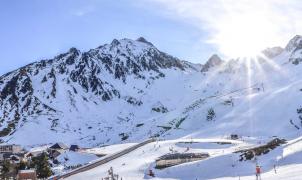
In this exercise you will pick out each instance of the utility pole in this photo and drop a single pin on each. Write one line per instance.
(262, 86)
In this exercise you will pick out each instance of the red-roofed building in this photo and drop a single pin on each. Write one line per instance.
(29, 174)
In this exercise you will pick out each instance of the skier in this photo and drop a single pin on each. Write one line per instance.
(275, 169)
(258, 171)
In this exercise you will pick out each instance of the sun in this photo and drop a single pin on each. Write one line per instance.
(244, 35)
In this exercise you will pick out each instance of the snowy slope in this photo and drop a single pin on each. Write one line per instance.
(71, 97)
(223, 163)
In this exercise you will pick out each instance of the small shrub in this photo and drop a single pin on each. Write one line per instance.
(211, 114)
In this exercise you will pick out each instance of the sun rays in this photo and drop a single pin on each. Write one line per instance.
(246, 80)
(258, 70)
(255, 70)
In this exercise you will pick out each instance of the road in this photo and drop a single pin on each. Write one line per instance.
(102, 161)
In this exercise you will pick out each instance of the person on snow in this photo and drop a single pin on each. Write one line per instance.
(258, 172)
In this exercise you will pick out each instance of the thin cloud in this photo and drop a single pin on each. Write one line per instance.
(261, 23)
(83, 11)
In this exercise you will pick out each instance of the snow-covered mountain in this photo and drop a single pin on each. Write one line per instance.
(129, 90)
(73, 93)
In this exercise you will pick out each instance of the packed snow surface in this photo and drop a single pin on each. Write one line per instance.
(223, 163)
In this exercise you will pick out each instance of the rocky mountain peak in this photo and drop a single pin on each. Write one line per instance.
(143, 40)
(74, 50)
(294, 44)
(272, 52)
(214, 60)
(115, 42)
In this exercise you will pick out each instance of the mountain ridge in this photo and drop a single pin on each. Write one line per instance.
(73, 94)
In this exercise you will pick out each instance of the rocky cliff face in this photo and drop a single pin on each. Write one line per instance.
(294, 48)
(294, 44)
(213, 61)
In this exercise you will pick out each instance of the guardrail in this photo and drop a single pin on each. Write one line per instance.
(102, 161)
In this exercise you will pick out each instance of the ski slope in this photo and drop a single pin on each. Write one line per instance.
(222, 163)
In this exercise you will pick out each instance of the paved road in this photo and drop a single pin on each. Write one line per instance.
(102, 161)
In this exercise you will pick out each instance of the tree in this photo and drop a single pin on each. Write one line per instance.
(22, 165)
(5, 170)
(211, 114)
(42, 166)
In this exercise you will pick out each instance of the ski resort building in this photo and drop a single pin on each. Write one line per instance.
(29, 155)
(12, 148)
(74, 148)
(59, 146)
(169, 160)
(29, 174)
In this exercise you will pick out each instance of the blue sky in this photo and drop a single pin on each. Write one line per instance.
(32, 30)
(188, 29)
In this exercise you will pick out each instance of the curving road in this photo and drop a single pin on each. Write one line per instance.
(102, 161)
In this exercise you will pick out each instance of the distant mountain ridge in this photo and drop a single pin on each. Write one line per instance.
(122, 91)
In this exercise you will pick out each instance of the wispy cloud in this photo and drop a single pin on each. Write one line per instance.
(82, 11)
(239, 26)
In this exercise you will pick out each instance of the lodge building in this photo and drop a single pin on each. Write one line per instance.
(10, 148)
